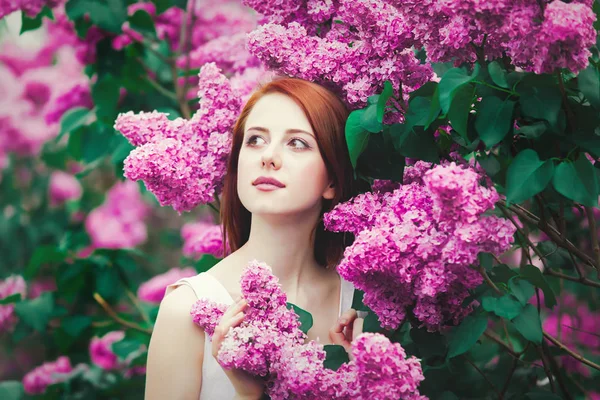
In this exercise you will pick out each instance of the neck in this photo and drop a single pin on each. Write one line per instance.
(285, 244)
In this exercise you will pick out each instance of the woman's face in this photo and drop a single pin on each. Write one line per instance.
(279, 143)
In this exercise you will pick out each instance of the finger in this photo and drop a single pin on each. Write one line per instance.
(235, 308)
(357, 328)
(337, 336)
(348, 316)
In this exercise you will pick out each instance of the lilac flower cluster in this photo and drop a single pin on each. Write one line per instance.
(10, 286)
(29, 7)
(102, 355)
(32, 102)
(153, 290)
(202, 238)
(63, 187)
(576, 326)
(183, 161)
(49, 373)
(269, 343)
(119, 222)
(538, 36)
(415, 244)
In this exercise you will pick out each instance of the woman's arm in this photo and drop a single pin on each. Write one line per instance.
(174, 368)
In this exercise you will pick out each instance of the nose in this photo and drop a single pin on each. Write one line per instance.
(271, 157)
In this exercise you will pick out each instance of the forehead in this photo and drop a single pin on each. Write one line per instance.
(277, 112)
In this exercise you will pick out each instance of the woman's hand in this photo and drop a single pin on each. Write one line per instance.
(346, 329)
(246, 386)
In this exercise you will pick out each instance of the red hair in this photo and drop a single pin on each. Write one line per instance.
(327, 116)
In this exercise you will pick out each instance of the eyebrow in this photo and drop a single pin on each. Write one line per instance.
(289, 131)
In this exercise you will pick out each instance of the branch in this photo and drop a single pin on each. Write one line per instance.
(582, 280)
(510, 375)
(573, 354)
(484, 375)
(594, 234)
(116, 317)
(546, 369)
(487, 279)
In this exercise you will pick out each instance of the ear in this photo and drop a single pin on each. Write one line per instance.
(329, 192)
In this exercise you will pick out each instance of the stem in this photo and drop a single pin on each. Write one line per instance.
(484, 375)
(116, 317)
(526, 237)
(582, 280)
(507, 335)
(487, 279)
(594, 235)
(134, 300)
(546, 369)
(573, 354)
(565, 100)
(552, 233)
(556, 370)
(510, 375)
(496, 87)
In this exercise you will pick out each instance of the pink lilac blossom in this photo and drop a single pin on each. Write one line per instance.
(14, 284)
(30, 7)
(63, 187)
(183, 161)
(153, 290)
(577, 327)
(269, 343)
(202, 238)
(119, 222)
(101, 352)
(415, 245)
(49, 373)
(26, 100)
(41, 285)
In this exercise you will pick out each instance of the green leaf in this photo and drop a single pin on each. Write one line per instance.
(528, 324)
(42, 255)
(75, 144)
(142, 22)
(357, 137)
(540, 99)
(429, 343)
(108, 14)
(460, 109)
(494, 119)
(543, 396)
(466, 334)
(521, 289)
(577, 181)
(36, 312)
(357, 301)
(71, 120)
(527, 176)
(504, 307)
(97, 142)
(387, 92)
(533, 131)
(105, 94)
(336, 355)
(420, 145)
(498, 74)
(29, 24)
(369, 119)
(588, 82)
(76, 324)
(107, 281)
(371, 323)
(534, 275)
(306, 319)
(556, 257)
(417, 114)
(11, 390)
(434, 109)
(590, 143)
(125, 347)
(13, 298)
(452, 80)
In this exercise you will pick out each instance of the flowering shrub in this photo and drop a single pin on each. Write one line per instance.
(269, 343)
(473, 132)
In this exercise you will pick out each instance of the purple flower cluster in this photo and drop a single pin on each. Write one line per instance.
(202, 238)
(183, 161)
(12, 285)
(63, 187)
(269, 343)
(153, 290)
(29, 7)
(119, 222)
(354, 64)
(49, 373)
(415, 244)
(538, 36)
(101, 352)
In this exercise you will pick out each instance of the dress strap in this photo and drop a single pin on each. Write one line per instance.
(204, 285)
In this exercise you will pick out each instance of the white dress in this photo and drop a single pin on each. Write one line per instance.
(215, 384)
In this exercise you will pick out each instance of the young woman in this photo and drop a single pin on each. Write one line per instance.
(289, 164)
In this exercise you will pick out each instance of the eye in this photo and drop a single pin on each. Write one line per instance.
(251, 141)
(300, 144)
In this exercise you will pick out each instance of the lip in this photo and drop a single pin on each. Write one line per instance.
(265, 182)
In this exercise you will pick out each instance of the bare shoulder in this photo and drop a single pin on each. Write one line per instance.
(174, 368)
(228, 272)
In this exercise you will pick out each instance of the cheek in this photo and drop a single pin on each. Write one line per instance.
(313, 174)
